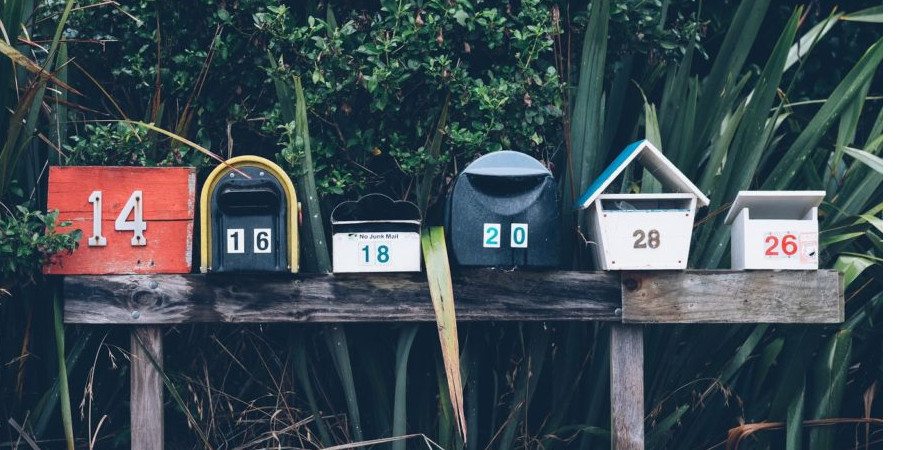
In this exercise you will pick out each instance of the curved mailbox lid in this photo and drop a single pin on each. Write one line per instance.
(507, 163)
(377, 208)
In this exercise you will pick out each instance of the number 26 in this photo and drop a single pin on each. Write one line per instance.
(788, 245)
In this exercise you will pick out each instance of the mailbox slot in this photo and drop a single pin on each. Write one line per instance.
(503, 211)
(254, 198)
(614, 203)
(249, 218)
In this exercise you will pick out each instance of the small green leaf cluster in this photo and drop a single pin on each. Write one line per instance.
(121, 144)
(28, 240)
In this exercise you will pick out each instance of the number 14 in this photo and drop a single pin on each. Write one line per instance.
(134, 204)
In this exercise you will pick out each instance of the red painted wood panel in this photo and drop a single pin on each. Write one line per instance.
(168, 209)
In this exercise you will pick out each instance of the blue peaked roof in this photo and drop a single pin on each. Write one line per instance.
(653, 160)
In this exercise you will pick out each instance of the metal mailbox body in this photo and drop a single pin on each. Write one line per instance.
(376, 234)
(503, 210)
(646, 231)
(775, 230)
(249, 218)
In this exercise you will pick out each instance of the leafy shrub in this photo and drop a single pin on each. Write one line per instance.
(120, 144)
(28, 240)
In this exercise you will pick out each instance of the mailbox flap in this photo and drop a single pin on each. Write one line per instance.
(775, 205)
(506, 163)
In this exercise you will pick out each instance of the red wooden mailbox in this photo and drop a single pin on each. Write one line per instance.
(133, 219)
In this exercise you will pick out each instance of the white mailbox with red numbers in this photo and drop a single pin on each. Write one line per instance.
(776, 230)
(644, 231)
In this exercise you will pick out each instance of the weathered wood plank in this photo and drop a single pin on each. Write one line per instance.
(626, 379)
(146, 388)
(482, 295)
(732, 297)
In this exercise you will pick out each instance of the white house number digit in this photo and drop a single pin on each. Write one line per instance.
(493, 235)
(97, 239)
(519, 236)
(651, 237)
(234, 240)
(134, 204)
(262, 240)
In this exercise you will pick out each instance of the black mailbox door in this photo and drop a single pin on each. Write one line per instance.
(504, 214)
(249, 218)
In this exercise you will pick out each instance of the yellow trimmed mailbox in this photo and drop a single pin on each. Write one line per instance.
(249, 218)
(777, 230)
(646, 231)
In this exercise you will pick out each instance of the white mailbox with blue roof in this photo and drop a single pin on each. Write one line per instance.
(646, 231)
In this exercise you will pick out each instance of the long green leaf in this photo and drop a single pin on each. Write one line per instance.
(805, 144)
(404, 345)
(872, 15)
(313, 220)
(830, 379)
(340, 354)
(65, 403)
(870, 160)
(738, 41)
(440, 286)
(794, 422)
(303, 373)
(587, 120)
(750, 139)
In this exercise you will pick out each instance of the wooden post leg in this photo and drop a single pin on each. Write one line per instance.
(146, 388)
(626, 377)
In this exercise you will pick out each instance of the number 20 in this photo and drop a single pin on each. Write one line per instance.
(135, 204)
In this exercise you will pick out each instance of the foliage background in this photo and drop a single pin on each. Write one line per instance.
(378, 78)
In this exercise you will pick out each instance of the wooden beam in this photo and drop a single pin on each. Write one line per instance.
(481, 295)
(146, 388)
(733, 297)
(626, 379)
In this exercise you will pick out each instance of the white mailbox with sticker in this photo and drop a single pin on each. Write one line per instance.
(776, 230)
(645, 231)
(376, 234)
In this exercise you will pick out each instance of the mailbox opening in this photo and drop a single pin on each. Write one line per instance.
(254, 199)
(616, 203)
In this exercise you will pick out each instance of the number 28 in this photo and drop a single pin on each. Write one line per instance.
(651, 237)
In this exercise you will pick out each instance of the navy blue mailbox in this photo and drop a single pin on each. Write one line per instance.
(503, 210)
